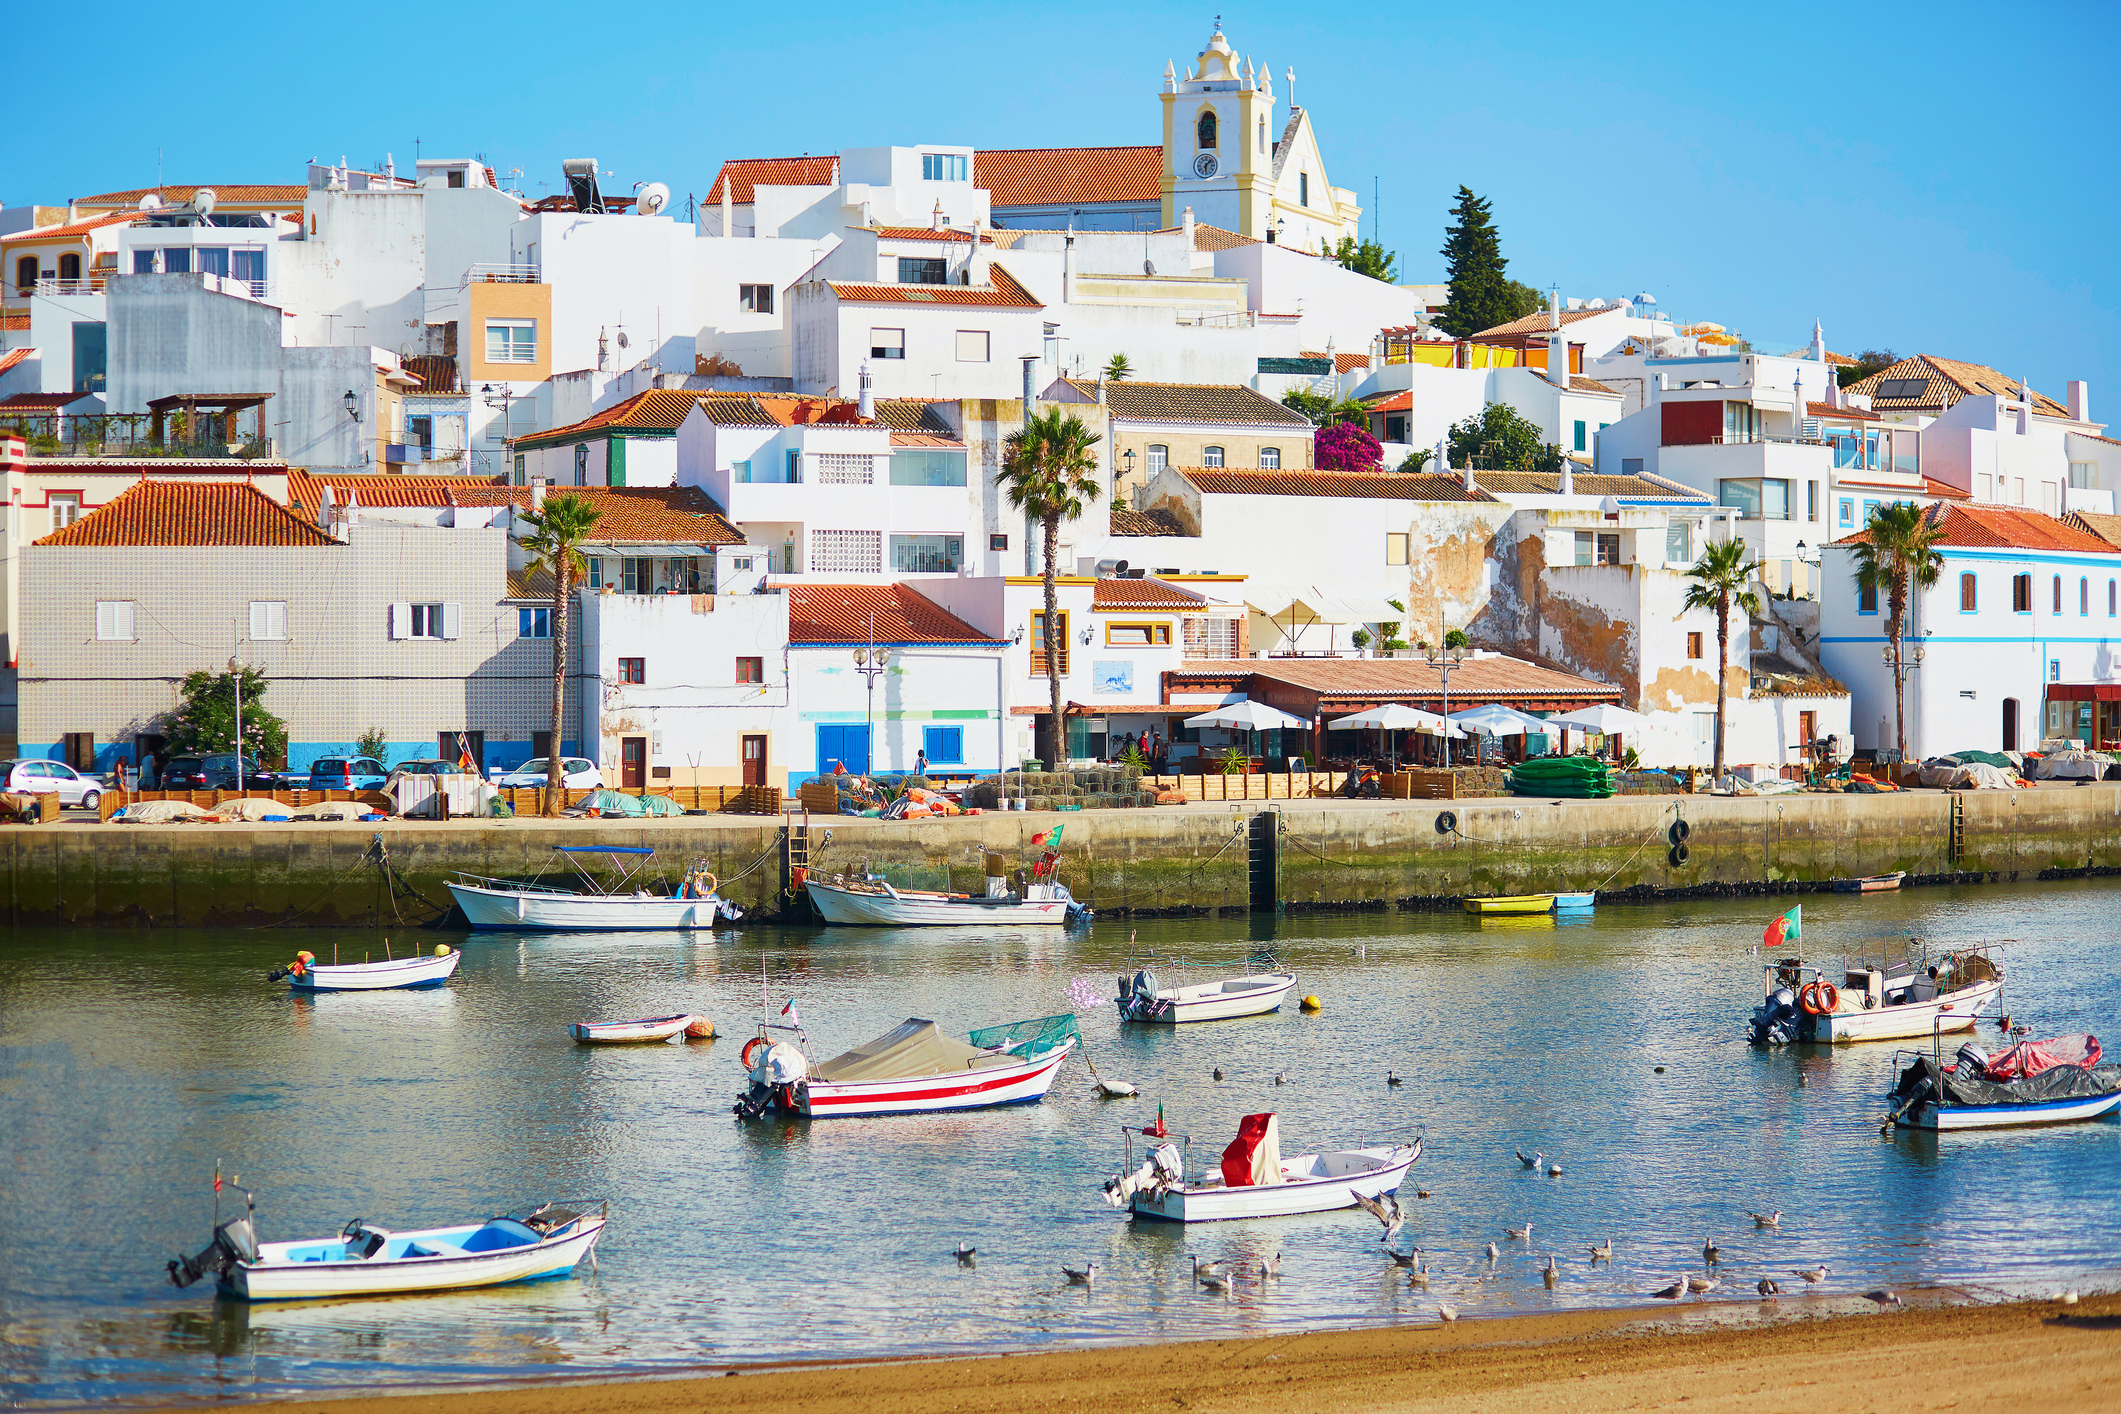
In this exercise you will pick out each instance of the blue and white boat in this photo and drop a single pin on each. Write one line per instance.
(1575, 903)
(365, 1260)
(2058, 1081)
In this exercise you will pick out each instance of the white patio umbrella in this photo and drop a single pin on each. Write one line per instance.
(1602, 717)
(1396, 717)
(1498, 720)
(1247, 716)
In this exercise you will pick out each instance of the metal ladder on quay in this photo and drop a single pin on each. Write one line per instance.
(1955, 842)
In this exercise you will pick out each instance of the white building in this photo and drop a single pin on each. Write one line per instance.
(2016, 642)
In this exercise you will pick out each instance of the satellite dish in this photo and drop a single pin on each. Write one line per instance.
(654, 197)
(624, 342)
(150, 201)
(1120, 568)
(205, 200)
(1148, 267)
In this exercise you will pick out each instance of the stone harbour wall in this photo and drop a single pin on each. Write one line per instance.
(1298, 855)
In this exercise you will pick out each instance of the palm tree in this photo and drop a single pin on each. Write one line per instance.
(1050, 472)
(1898, 549)
(1118, 370)
(555, 545)
(1720, 578)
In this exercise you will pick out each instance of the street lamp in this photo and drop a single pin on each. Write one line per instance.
(1443, 661)
(1900, 662)
(870, 661)
(235, 670)
(501, 398)
(1130, 463)
(353, 405)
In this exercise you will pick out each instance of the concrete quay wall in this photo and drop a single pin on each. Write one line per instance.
(1203, 858)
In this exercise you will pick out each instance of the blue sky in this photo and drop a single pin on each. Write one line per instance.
(1933, 178)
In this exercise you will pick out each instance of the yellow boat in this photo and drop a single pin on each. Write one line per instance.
(1512, 903)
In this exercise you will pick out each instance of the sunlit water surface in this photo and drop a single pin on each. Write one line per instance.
(131, 1062)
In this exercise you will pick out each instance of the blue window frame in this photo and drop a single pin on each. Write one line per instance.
(1848, 512)
(1580, 436)
(1866, 599)
(945, 745)
(534, 623)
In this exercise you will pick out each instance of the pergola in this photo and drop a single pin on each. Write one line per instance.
(189, 404)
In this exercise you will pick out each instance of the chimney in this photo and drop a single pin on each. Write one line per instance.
(936, 220)
(353, 509)
(1470, 487)
(1797, 406)
(728, 205)
(1068, 265)
(390, 166)
(2080, 400)
(867, 405)
(1568, 476)
(2025, 408)
(326, 503)
(976, 263)
(537, 494)
(1186, 221)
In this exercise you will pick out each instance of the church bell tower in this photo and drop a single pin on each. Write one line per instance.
(1218, 141)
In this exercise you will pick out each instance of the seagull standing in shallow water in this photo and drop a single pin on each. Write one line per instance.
(1773, 1220)
(1533, 1162)
(1551, 1274)
(1710, 1252)
(1522, 1234)
(1447, 1314)
(1084, 1277)
(1494, 1255)
(964, 1254)
(1702, 1286)
(1603, 1252)
(1813, 1275)
(1769, 1288)
(1676, 1291)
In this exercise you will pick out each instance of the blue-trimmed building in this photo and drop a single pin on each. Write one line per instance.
(2016, 644)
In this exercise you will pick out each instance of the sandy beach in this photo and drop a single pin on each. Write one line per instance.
(1933, 1355)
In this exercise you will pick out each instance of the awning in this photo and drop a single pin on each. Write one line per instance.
(1396, 717)
(1603, 718)
(1498, 720)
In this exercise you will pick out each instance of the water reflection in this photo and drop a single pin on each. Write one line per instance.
(128, 1067)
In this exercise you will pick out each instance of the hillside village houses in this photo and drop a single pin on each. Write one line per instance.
(790, 403)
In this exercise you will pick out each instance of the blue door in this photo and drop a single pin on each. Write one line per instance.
(846, 743)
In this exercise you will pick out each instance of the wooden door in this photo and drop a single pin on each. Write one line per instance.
(2010, 724)
(633, 762)
(754, 760)
(1807, 728)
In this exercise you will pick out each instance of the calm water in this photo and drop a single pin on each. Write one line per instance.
(129, 1064)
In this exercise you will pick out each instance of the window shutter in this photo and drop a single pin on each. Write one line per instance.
(401, 621)
(452, 619)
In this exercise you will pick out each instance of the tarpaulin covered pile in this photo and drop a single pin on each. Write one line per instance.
(1961, 1085)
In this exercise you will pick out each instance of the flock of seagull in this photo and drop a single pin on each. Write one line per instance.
(1220, 1278)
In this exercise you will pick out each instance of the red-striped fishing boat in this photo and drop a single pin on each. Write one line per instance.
(912, 1069)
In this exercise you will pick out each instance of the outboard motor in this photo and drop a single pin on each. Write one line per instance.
(235, 1242)
(778, 1070)
(1775, 1020)
(1973, 1062)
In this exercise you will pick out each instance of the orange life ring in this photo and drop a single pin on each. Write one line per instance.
(749, 1046)
(1819, 997)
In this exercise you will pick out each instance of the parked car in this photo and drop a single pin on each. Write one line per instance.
(580, 773)
(216, 771)
(347, 773)
(48, 778)
(434, 767)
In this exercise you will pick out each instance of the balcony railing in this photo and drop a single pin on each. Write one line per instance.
(491, 274)
(123, 435)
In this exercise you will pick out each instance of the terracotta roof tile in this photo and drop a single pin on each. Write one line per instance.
(40, 402)
(748, 173)
(1475, 681)
(1943, 376)
(1342, 362)
(1001, 290)
(248, 194)
(437, 372)
(1541, 321)
(1212, 238)
(1942, 491)
(651, 514)
(73, 228)
(16, 318)
(928, 233)
(840, 613)
(14, 356)
(1190, 402)
(1832, 413)
(657, 410)
(1142, 594)
(1547, 483)
(305, 489)
(2005, 528)
(2106, 527)
(190, 513)
(1362, 485)
(914, 415)
(1580, 384)
(1161, 523)
(1043, 176)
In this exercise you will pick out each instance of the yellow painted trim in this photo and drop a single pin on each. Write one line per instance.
(1154, 625)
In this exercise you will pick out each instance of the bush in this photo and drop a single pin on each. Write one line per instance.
(1346, 447)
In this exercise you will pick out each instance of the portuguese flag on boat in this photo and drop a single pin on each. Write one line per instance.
(1785, 929)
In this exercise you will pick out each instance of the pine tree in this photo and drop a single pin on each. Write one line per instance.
(1480, 296)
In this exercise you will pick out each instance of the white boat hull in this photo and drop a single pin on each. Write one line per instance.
(273, 1278)
(1211, 1002)
(605, 913)
(901, 909)
(404, 972)
(986, 1088)
(1944, 1015)
(1213, 1202)
(1955, 1117)
(629, 1033)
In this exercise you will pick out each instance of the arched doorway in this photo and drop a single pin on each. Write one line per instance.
(2010, 724)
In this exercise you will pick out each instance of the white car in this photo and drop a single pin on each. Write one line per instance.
(581, 774)
(26, 777)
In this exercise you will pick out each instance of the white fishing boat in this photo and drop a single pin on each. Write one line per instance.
(1895, 1000)
(306, 974)
(868, 901)
(625, 905)
(1141, 999)
(875, 903)
(648, 1029)
(1252, 1179)
(365, 1260)
(2056, 1081)
(912, 1069)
